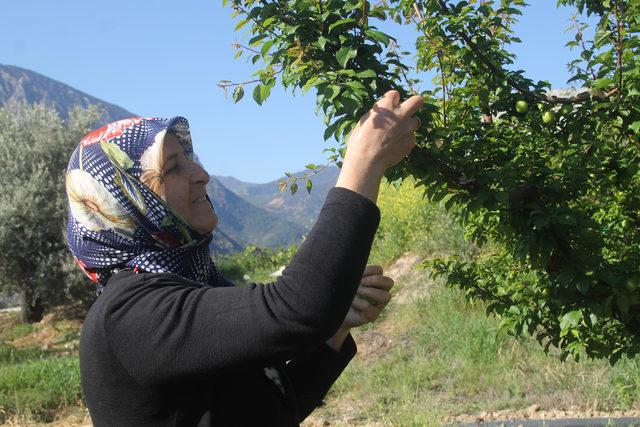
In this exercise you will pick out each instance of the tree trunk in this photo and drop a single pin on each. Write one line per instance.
(32, 307)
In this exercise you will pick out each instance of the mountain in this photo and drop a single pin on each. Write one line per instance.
(246, 223)
(18, 84)
(301, 208)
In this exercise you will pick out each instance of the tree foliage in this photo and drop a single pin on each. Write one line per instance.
(555, 186)
(35, 145)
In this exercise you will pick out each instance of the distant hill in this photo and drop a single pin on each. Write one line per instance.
(301, 208)
(246, 223)
(19, 84)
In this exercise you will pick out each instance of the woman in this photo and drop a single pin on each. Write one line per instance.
(169, 341)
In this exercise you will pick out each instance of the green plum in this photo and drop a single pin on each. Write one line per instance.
(548, 117)
(522, 107)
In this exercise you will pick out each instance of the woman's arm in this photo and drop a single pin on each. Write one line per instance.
(184, 330)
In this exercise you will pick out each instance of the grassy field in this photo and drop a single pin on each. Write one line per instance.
(432, 358)
(39, 374)
(435, 358)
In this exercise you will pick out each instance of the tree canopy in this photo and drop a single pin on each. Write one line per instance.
(547, 181)
(35, 145)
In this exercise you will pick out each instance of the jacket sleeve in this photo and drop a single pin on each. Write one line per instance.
(312, 374)
(160, 328)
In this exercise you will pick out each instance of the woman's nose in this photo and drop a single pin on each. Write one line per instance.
(199, 175)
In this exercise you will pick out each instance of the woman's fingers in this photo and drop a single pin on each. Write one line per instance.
(416, 123)
(367, 311)
(391, 99)
(410, 106)
(371, 270)
(374, 296)
(377, 281)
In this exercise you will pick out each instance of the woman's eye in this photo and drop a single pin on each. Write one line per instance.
(170, 170)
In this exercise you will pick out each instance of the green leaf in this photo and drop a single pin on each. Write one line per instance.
(238, 93)
(350, 105)
(241, 24)
(583, 285)
(367, 74)
(261, 93)
(571, 319)
(255, 41)
(266, 46)
(309, 185)
(623, 304)
(378, 36)
(345, 54)
(566, 276)
(321, 43)
(309, 84)
(257, 95)
(342, 23)
(116, 155)
(331, 129)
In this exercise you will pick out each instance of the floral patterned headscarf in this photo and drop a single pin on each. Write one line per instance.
(117, 222)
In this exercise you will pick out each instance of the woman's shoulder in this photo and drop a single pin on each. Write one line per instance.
(131, 296)
(127, 289)
(129, 280)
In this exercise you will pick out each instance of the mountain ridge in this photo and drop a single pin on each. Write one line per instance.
(19, 84)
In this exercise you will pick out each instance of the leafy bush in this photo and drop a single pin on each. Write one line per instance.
(409, 223)
(254, 264)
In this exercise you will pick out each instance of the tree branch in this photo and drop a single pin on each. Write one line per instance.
(583, 96)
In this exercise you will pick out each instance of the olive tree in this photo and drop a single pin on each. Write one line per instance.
(35, 145)
(551, 180)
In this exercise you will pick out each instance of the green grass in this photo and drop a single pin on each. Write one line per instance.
(450, 359)
(36, 384)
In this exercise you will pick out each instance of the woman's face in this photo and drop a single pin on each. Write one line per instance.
(185, 187)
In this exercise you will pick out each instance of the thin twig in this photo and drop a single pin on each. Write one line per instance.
(576, 25)
(306, 175)
(365, 20)
(240, 46)
(618, 43)
(417, 9)
(227, 84)
(444, 88)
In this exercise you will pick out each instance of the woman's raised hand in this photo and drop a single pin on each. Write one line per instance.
(382, 137)
(386, 134)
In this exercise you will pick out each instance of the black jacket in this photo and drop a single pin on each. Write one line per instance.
(157, 350)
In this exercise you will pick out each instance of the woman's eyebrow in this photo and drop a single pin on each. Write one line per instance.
(173, 156)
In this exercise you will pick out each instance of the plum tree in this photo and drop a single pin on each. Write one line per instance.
(564, 244)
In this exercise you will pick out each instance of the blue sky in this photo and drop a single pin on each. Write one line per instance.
(163, 58)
